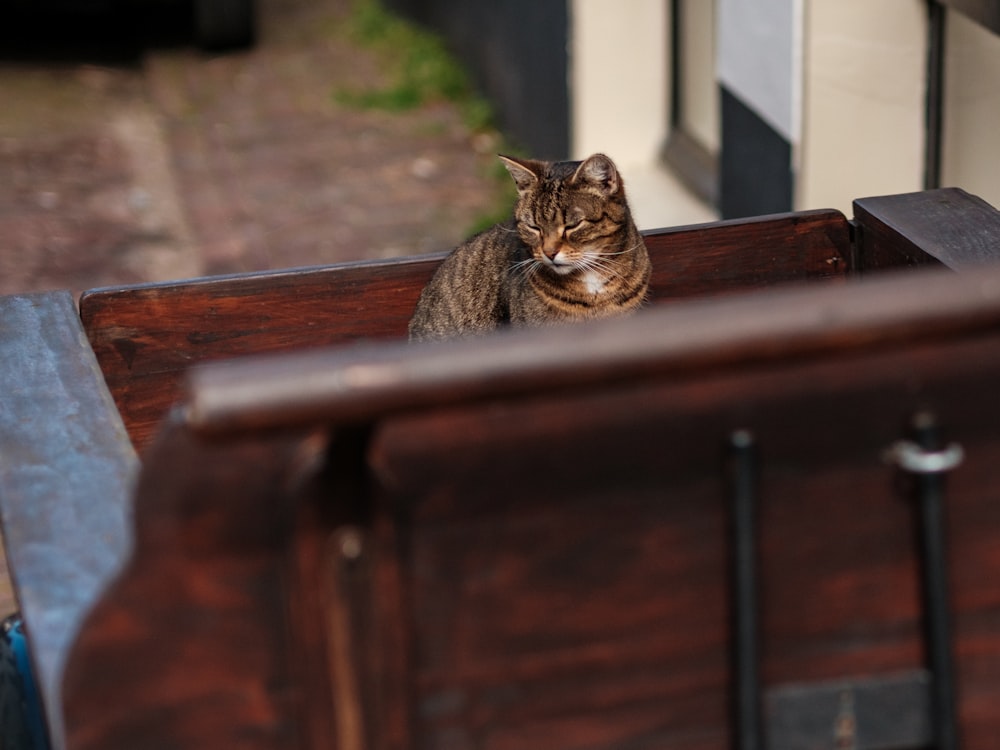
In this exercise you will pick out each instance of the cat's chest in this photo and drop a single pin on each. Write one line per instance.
(593, 282)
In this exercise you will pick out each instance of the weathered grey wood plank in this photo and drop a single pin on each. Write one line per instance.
(66, 470)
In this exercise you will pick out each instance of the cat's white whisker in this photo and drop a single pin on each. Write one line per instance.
(622, 252)
(596, 263)
(525, 269)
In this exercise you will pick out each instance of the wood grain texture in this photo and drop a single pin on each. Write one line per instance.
(947, 226)
(538, 517)
(745, 254)
(146, 336)
(577, 589)
(196, 624)
(665, 341)
(546, 564)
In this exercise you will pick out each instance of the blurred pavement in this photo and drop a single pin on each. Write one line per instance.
(167, 163)
(125, 161)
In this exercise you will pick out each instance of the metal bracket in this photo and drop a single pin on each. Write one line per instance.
(914, 709)
(910, 457)
(928, 462)
(861, 714)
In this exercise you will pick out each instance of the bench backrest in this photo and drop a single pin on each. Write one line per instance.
(523, 541)
(65, 465)
(146, 336)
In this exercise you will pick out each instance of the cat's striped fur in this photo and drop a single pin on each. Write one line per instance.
(571, 252)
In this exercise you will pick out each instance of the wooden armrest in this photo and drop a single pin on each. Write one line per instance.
(947, 226)
(66, 467)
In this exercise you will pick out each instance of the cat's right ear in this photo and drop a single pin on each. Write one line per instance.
(524, 176)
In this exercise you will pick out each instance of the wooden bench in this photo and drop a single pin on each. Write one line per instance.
(522, 540)
(146, 336)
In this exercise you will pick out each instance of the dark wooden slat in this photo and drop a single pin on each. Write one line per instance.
(946, 226)
(698, 335)
(209, 674)
(577, 591)
(746, 254)
(66, 466)
(146, 336)
(576, 588)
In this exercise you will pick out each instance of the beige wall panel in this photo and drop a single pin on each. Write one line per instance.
(619, 88)
(864, 84)
(700, 91)
(971, 148)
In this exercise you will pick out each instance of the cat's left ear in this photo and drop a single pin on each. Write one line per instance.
(523, 172)
(600, 172)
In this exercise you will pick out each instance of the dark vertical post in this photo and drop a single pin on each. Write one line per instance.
(676, 65)
(930, 497)
(746, 699)
(755, 174)
(935, 94)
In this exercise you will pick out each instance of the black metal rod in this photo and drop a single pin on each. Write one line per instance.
(933, 555)
(747, 721)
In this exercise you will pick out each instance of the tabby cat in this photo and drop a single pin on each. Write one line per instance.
(571, 252)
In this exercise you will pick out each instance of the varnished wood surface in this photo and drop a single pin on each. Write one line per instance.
(146, 336)
(700, 335)
(545, 563)
(220, 665)
(743, 254)
(66, 467)
(462, 556)
(947, 226)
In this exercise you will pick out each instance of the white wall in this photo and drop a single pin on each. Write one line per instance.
(619, 83)
(620, 101)
(843, 80)
(864, 89)
(971, 147)
(700, 117)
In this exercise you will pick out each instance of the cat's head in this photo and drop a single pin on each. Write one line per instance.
(569, 214)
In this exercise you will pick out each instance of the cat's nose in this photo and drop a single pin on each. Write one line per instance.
(551, 251)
